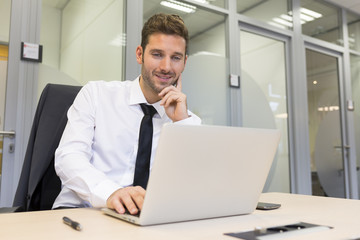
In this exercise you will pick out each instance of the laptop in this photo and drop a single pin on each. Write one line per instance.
(202, 172)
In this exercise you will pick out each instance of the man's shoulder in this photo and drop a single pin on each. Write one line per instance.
(107, 87)
(108, 84)
(102, 90)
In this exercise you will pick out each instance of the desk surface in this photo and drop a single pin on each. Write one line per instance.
(342, 214)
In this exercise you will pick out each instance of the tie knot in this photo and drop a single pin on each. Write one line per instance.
(148, 109)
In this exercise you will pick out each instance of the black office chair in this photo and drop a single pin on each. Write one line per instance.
(39, 185)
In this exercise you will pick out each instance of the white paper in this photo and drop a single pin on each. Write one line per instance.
(31, 51)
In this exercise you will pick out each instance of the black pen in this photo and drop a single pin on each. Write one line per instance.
(71, 223)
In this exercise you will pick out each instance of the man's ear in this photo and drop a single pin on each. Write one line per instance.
(139, 54)
(186, 57)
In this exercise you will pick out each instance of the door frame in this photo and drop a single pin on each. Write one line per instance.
(21, 93)
(349, 159)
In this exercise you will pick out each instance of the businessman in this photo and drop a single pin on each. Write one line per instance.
(98, 155)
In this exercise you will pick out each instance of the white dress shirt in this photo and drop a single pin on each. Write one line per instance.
(97, 152)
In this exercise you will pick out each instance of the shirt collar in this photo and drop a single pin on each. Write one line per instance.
(137, 97)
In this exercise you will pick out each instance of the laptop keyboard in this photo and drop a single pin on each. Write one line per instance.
(136, 215)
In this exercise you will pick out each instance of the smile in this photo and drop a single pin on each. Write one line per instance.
(164, 78)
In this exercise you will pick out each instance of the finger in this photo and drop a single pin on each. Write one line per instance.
(119, 207)
(140, 190)
(164, 99)
(129, 204)
(139, 197)
(135, 199)
(170, 98)
(167, 90)
(179, 83)
(114, 203)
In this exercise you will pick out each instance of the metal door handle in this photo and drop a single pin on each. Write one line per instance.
(345, 146)
(10, 134)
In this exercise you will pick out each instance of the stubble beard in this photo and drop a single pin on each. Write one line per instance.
(147, 78)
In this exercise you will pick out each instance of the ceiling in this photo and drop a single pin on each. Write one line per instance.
(353, 5)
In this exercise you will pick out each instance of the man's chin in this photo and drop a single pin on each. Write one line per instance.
(161, 87)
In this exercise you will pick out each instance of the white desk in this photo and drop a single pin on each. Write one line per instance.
(342, 214)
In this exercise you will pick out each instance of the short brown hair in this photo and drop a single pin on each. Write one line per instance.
(164, 23)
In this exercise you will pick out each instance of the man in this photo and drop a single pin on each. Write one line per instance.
(96, 157)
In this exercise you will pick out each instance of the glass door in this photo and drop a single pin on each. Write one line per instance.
(5, 9)
(264, 96)
(355, 86)
(4, 53)
(325, 124)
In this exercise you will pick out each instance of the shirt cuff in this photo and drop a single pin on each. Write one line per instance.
(191, 120)
(102, 192)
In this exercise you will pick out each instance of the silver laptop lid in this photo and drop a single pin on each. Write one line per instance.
(207, 171)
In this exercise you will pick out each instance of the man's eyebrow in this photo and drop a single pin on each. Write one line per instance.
(159, 50)
(179, 53)
(155, 50)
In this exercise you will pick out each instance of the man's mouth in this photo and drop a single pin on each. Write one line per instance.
(165, 78)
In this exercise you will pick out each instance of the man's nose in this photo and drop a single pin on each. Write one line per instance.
(165, 64)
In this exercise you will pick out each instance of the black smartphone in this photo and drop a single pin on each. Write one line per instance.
(267, 206)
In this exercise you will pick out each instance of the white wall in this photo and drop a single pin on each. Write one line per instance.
(82, 42)
(5, 6)
(50, 35)
(91, 41)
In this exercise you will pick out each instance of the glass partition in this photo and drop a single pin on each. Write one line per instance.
(218, 3)
(83, 41)
(321, 20)
(353, 22)
(205, 80)
(355, 85)
(274, 12)
(188, 7)
(264, 98)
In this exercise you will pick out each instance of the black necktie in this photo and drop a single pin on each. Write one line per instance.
(142, 166)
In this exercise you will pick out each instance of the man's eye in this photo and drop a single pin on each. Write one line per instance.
(156, 54)
(177, 58)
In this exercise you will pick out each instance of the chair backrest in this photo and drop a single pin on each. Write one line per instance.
(39, 185)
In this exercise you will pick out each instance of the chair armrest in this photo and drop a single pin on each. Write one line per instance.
(11, 209)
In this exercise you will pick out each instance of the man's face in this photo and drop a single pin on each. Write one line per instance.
(162, 63)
